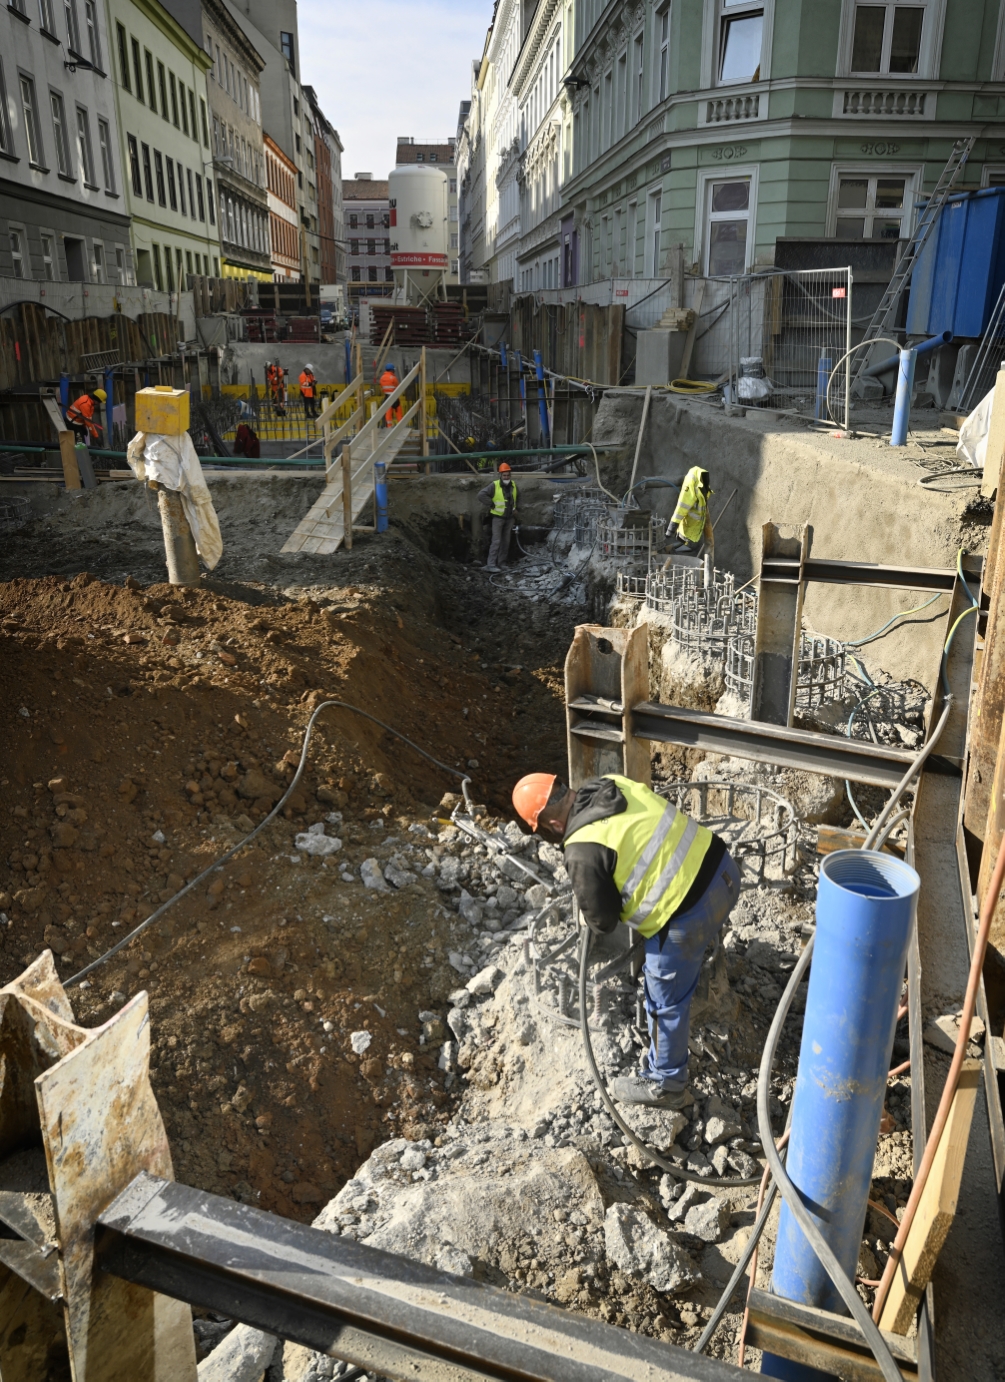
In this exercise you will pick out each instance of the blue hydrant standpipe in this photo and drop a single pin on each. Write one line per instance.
(902, 403)
(892, 361)
(542, 406)
(380, 494)
(348, 361)
(866, 907)
(109, 387)
(823, 378)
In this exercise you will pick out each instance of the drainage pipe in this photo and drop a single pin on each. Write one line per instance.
(866, 906)
(892, 361)
(380, 495)
(902, 403)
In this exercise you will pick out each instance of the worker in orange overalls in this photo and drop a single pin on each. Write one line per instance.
(84, 416)
(388, 384)
(275, 377)
(308, 391)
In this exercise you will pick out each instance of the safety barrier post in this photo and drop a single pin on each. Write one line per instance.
(866, 907)
(902, 403)
(380, 495)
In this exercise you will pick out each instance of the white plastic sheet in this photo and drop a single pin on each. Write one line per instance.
(973, 443)
(173, 463)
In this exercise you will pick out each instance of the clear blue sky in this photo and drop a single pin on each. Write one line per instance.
(387, 67)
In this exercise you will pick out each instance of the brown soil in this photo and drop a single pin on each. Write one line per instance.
(128, 712)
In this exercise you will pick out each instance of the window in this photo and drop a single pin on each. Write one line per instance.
(72, 28)
(453, 240)
(209, 200)
(371, 273)
(638, 95)
(17, 253)
(654, 230)
(355, 273)
(184, 107)
(728, 222)
(181, 190)
(84, 151)
(371, 246)
(872, 207)
(60, 134)
(434, 158)
(107, 161)
(188, 261)
(198, 193)
(6, 139)
(123, 47)
(159, 177)
(169, 266)
(630, 246)
(93, 36)
(174, 102)
(29, 110)
(353, 221)
(97, 262)
(191, 114)
(453, 186)
(151, 90)
(389, 272)
(148, 181)
(887, 38)
(162, 86)
(48, 258)
(286, 45)
(205, 123)
(172, 186)
(354, 247)
(73, 248)
(369, 220)
(46, 17)
(134, 165)
(740, 30)
(137, 68)
(120, 266)
(191, 196)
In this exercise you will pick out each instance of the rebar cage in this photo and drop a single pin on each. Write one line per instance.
(821, 675)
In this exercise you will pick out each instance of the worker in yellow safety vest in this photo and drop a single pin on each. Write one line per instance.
(499, 496)
(633, 857)
(388, 384)
(691, 513)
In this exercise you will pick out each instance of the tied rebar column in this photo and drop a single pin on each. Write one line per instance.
(866, 906)
(179, 544)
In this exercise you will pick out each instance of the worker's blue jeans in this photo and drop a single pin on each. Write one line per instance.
(673, 962)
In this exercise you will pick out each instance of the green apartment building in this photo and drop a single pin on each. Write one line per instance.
(167, 162)
(725, 124)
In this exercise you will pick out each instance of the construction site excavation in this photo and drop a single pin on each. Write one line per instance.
(316, 1060)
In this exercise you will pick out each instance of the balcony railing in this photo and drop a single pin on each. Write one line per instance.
(732, 108)
(899, 103)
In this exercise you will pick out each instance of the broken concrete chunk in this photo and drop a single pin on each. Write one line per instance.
(486, 981)
(360, 1041)
(743, 1164)
(316, 843)
(943, 1032)
(507, 897)
(397, 875)
(708, 1221)
(372, 877)
(678, 1209)
(721, 1122)
(638, 1247)
(469, 909)
(455, 1261)
(720, 1159)
(537, 896)
(413, 1159)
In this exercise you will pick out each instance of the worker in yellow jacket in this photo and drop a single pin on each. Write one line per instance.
(691, 514)
(634, 858)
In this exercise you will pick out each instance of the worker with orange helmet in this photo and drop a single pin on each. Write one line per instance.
(635, 858)
(499, 497)
(84, 416)
(308, 391)
(388, 384)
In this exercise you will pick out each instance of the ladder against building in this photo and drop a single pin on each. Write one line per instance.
(350, 479)
(882, 318)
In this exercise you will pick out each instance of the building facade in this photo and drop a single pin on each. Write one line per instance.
(722, 125)
(235, 110)
(367, 223)
(328, 166)
(163, 117)
(443, 155)
(63, 211)
(285, 230)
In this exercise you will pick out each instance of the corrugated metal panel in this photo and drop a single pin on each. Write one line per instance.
(960, 273)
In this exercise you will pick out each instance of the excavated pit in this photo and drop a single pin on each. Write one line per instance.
(362, 1029)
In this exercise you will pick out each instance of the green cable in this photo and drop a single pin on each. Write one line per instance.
(858, 642)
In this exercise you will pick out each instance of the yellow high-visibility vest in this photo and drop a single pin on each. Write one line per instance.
(660, 851)
(692, 507)
(499, 499)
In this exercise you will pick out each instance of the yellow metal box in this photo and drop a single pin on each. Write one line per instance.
(163, 410)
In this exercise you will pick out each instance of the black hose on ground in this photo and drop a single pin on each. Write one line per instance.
(218, 863)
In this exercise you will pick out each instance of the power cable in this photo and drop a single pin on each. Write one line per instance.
(218, 863)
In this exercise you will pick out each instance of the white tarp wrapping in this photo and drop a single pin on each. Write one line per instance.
(973, 443)
(173, 463)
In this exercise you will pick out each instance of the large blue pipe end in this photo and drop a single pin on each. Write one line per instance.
(866, 906)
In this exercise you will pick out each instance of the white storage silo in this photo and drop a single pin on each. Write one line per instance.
(418, 198)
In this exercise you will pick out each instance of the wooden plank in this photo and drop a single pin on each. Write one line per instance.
(68, 455)
(833, 837)
(331, 519)
(936, 1210)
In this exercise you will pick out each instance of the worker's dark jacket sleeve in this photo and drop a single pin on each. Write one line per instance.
(591, 866)
(485, 495)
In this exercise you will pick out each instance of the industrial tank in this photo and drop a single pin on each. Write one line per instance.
(419, 229)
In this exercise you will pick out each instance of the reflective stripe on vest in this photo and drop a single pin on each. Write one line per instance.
(499, 499)
(659, 853)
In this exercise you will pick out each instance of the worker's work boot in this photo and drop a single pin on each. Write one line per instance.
(634, 1089)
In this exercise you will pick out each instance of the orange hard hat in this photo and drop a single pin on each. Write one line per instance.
(504, 469)
(530, 796)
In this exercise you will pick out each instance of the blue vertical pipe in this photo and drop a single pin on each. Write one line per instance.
(348, 361)
(380, 494)
(542, 404)
(502, 354)
(902, 403)
(823, 377)
(109, 387)
(64, 391)
(866, 906)
(523, 389)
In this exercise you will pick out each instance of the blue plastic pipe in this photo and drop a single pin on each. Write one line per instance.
(866, 906)
(902, 403)
(502, 354)
(892, 361)
(380, 494)
(823, 376)
(523, 386)
(109, 387)
(542, 405)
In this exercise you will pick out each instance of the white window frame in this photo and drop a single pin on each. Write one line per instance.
(631, 239)
(998, 61)
(53, 260)
(23, 253)
(6, 133)
(85, 149)
(93, 33)
(702, 212)
(932, 30)
(996, 169)
(661, 56)
(711, 28)
(638, 76)
(913, 173)
(99, 262)
(107, 155)
(61, 135)
(651, 267)
(29, 114)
